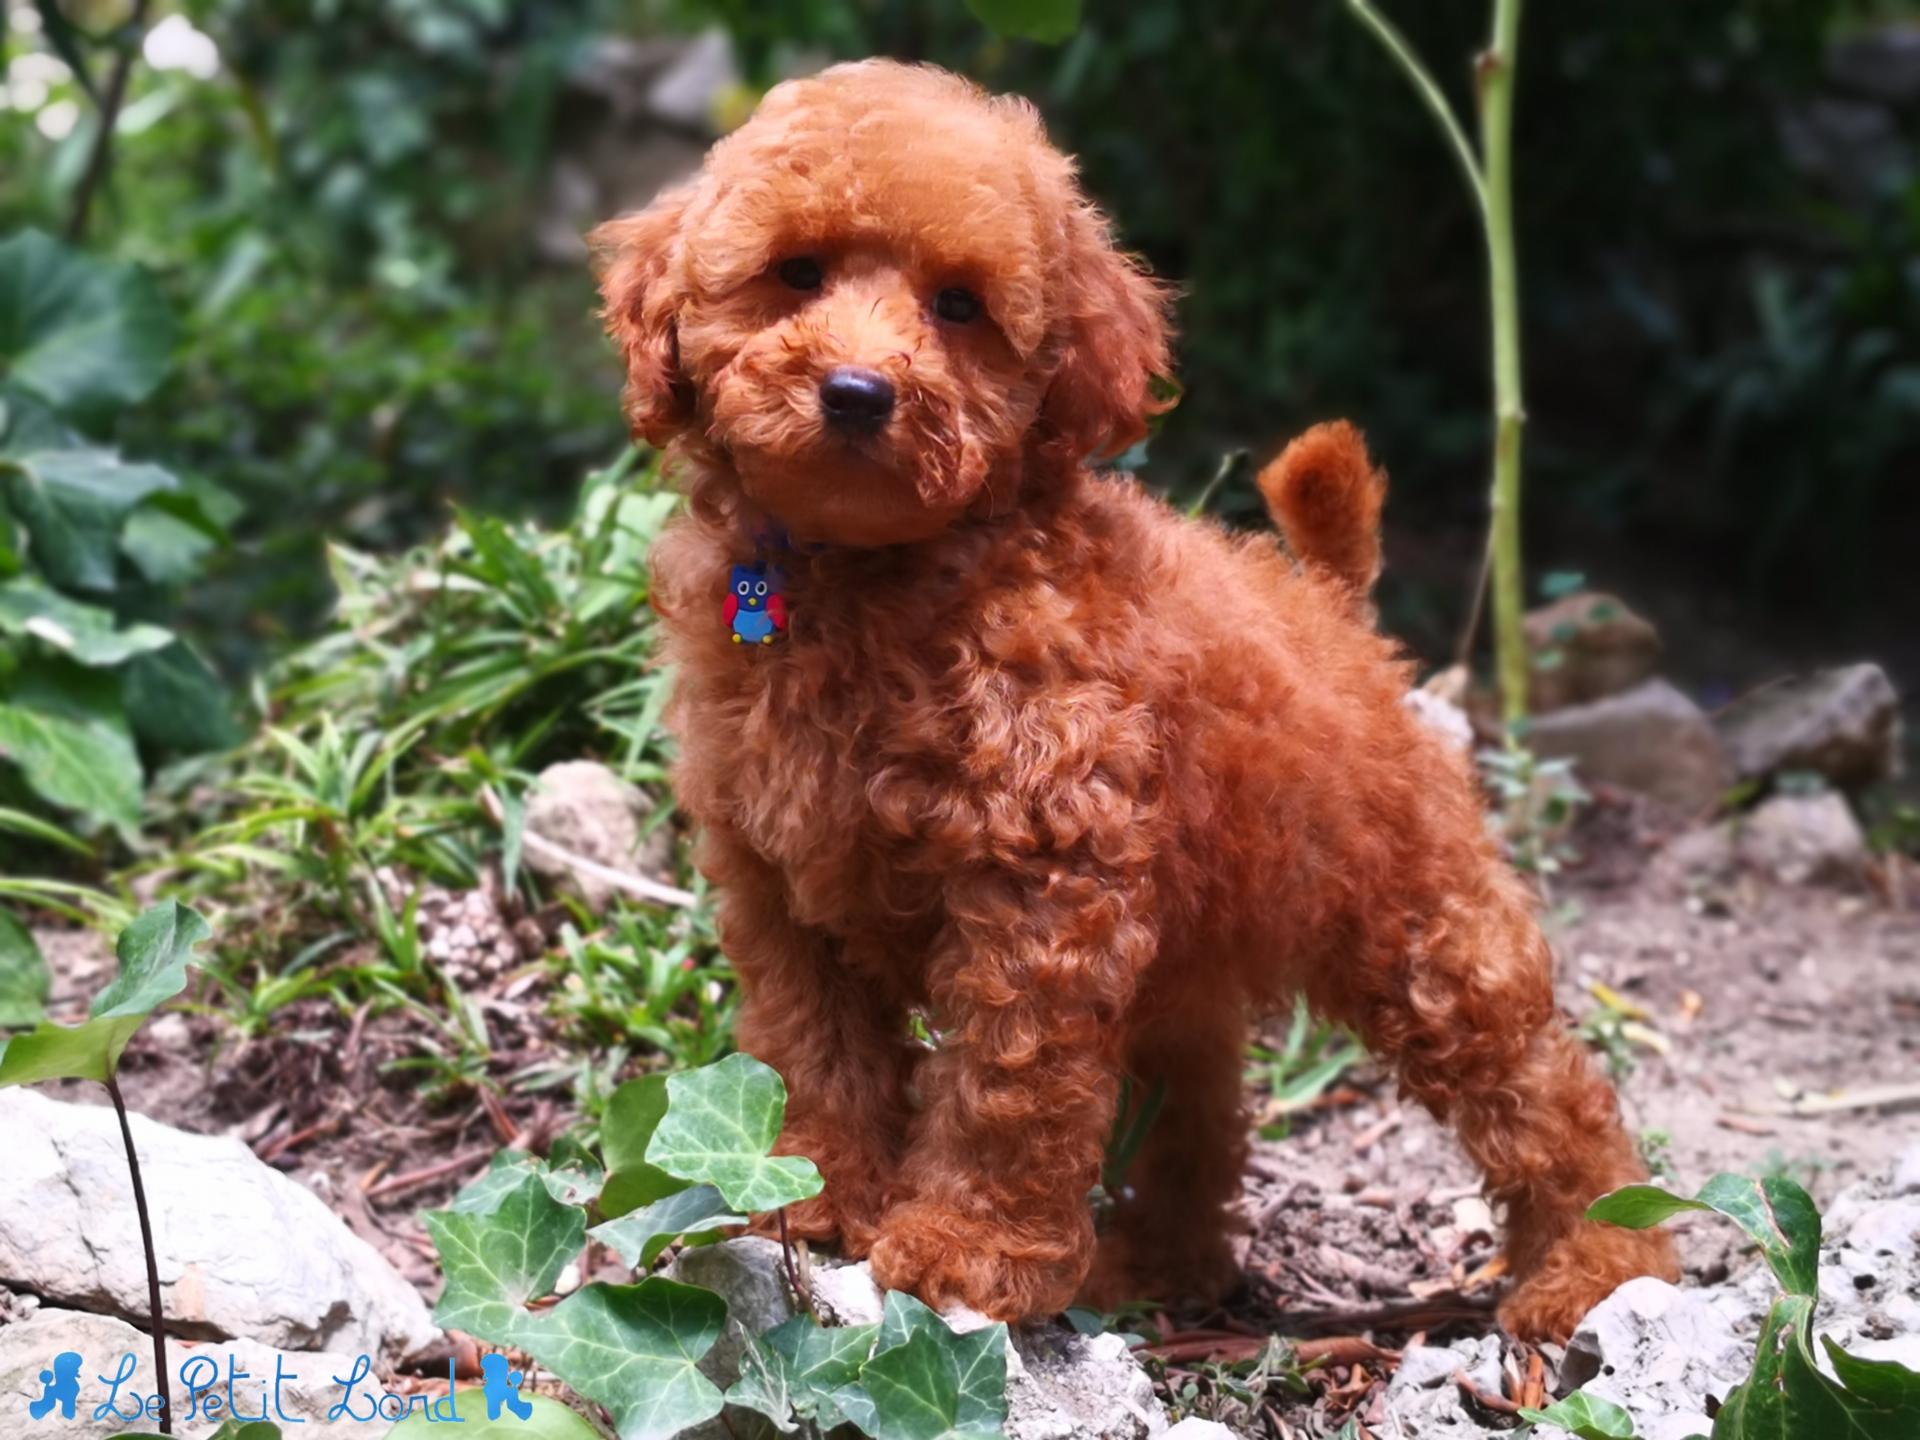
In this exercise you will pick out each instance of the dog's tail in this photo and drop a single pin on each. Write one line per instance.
(1325, 495)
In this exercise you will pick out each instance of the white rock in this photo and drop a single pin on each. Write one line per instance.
(1078, 1387)
(583, 807)
(1889, 1228)
(1658, 1351)
(28, 1347)
(847, 1295)
(243, 1251)
(1801, 839)
(1906, 1174)
(1194, 1428)
(1444, 718)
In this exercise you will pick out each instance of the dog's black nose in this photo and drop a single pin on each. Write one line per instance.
(855, 395)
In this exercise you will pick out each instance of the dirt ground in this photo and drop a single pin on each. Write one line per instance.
(1365, 1221)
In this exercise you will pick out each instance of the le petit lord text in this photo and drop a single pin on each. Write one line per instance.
(212, 1392)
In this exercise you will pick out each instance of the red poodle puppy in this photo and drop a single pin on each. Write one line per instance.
(1082, 785)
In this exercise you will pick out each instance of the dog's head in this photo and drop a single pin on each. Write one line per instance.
(882, 303)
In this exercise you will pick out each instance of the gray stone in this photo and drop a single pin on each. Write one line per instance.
(1586, 647)
(689, 92)
(1843, 724)
(243, 1251)
(1881, 62)
(748, 1274)
(587, 810)
(1650, 739)
(27, 1347)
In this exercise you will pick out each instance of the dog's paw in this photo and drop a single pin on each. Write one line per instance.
(1577, 1273)
(947, 1258)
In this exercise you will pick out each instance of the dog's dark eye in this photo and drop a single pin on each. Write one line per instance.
(802, 272)
(956, 305)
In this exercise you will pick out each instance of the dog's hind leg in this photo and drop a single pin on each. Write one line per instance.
(1458, 997)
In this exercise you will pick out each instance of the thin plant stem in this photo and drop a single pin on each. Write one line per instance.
(801, 1297)
(100, 158)
(153, 1267)
(1496, 130)
(1490, 178)
(1398, 46)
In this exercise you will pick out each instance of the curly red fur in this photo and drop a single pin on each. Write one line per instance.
(1083, 784)
(1326, 497)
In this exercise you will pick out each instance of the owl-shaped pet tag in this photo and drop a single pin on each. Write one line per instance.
(756, 611)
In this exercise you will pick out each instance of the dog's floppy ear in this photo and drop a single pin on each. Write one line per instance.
(1111, 323)
(637, 256)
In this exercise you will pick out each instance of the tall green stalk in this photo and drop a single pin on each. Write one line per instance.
(1489, 176)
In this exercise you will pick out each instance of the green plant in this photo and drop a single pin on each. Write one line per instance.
(1538, 801)
(1489, 175)
(155, 951)
(402, 740)
(1311, 1057)
(1788, 1395)
(91, 548)
(1618, 1028)
(681, 1158)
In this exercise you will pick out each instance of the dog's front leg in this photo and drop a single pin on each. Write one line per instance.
(838, 1040)
(1030, 984)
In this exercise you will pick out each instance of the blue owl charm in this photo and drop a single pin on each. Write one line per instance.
(756, 611)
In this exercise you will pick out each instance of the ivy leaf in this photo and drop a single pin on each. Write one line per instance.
(85, 633)
(1777, 1215)
(1787, 1396)
(721, 1121)
(914, 1386)
(497, 1260)
(64, 727)
(504, 1174)
(572, 1174)
(633, 1113)
(634, 1349)
(794, 1372)
(24, 981)
(550, 1420)
(1584, 1415)
(918, 1389)
(77, 331)
(1048, 21)
(155, 951)
(640, 1235)
(73, 503)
